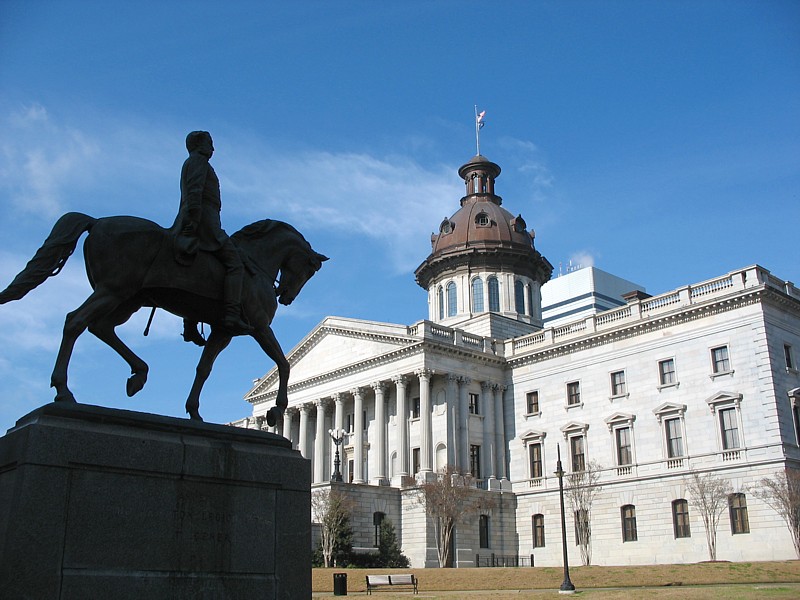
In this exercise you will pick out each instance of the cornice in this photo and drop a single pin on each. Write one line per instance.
(415, 348)
(644, 326)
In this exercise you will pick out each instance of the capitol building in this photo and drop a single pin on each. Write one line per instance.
(513, 364)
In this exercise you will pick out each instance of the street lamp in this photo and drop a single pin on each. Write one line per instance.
(337, 435)
(566, 586)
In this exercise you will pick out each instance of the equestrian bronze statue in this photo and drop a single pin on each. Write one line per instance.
(133, 263)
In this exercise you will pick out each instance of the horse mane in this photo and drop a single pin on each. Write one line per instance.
(263, 228)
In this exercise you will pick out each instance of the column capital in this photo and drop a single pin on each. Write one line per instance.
(487, 385)
(291, 411)
(322, 403)
(424, 373)
(338, 398)
(305, 408)
(357, 391)
(379, 386)
(453, 378)
(465, 380)
(400, 380)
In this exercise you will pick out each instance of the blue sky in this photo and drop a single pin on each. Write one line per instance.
(659, 141)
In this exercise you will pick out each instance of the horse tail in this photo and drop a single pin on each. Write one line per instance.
(51, 257)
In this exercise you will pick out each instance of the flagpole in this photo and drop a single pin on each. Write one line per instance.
(477, 135)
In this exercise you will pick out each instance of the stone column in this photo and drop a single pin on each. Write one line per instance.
(489, 450)
(453, 422)
(287, 422)
(402, 423)
(500, 433)
(426, 433)
(463, 401)
(358, 435)
(319, 442)
(302, 445)
(379, 476)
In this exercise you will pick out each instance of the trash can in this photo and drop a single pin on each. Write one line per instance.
(340, 584)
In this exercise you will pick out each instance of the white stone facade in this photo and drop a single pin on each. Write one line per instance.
(412, 392)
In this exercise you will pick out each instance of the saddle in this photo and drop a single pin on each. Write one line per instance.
(180, 264)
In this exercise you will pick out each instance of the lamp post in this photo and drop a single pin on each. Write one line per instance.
(337, 435)
(566, 586)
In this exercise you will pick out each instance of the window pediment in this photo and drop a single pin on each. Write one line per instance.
(620, 418)
(574, 427)
(669, 409)
(723, 399)
(533, 435)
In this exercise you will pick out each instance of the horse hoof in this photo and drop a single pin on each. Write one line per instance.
(65, 397)
(195, 415)
(135, 383)
(272, 416)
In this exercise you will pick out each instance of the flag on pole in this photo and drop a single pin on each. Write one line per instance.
(479, 119)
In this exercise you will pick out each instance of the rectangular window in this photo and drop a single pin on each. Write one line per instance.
(720, 361)
(475, 461)
(618, 387)
(350, 470)
(680, 519)
(483, 530)
(624, 454)
(535, 456)
(532, 402)
(573, 393)
(738, 509)
(729, 428)
(415, 408)
(473, 404)
(629, 523)
(415, 460)
(538, 531)
(577, 448)
(582, 530)
(674, 438)
(666, 372)
(787, 356)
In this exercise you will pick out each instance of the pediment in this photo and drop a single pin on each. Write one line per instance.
(533, 434)
(574, 427)
(620, 417)
(336, 344)
(669, 408)
(722, 398)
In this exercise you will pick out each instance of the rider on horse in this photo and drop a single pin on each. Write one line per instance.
(198, 227)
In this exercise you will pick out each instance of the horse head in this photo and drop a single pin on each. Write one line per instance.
(296, 270)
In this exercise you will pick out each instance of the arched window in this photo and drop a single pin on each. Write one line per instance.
(477, 295)
(530, 300)
(519, 297)
(440, 300)
(628, 513)
(451, 299)
(538, 531)
(494, 294)
(680, 518)
(377, 519)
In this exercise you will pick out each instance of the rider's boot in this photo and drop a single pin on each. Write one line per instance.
(190, 333)
(233, 321)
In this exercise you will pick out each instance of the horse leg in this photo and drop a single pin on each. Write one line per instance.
(216, 343)
(97, 304)
(103, 329)
(269, 343)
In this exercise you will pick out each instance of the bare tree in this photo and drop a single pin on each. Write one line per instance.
(449, 500)
(331, 508)
(782, 493)
(582, 489)
(710, 494)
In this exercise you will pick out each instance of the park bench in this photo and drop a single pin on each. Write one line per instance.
(391, 581)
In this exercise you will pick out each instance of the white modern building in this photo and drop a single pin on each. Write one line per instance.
(510, 365)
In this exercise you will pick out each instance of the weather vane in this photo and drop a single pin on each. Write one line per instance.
(479, 123)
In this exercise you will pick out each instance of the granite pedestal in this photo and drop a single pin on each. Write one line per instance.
(98, 503)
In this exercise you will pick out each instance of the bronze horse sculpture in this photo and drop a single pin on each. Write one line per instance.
(130, 264)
